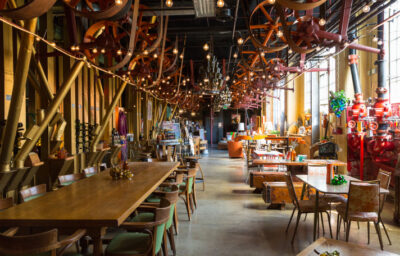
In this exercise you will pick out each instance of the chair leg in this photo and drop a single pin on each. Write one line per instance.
(348, 230)
(194, 198)
(176, 221)
(202, 176)
(322, 224)
(297, 224)
(305, 217)
(329, 223)
(191, 202)
(187, 206)
(378, 231)
(290, 220)
(338, 226)
(358, 225)
(368, 231)
(171, 239)
(386, 232)
(165, 244)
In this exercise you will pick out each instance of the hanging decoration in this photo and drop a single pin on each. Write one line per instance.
(338, 102)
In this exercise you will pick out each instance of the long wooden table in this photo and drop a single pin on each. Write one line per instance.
(297, 163)
(94, 203)
(344, 248)
(319, 184)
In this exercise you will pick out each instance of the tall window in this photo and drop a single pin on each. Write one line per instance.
(327, 82)
(392, 49)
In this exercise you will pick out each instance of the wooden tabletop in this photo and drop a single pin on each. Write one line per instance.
(319, 183)
(97, 201)
(344, 248)
(296, 163)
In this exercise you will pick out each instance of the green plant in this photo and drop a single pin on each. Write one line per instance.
(338, 102)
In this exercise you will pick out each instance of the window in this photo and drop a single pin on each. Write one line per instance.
(327, 82)
(392, 50)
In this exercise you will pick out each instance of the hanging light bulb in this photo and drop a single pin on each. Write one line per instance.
(240, 41)
(103, 51)
(220, 3)
(279, 33)
(271, 1)
(380, 42)
(94, 50)
(118, 2)
(235, 55)
(169, 3)
(73, 48)
(251, 73)
(146, 52)
(263, 76)
(262, 54)
(322, 22)
(181, 56)
(180, 111)
(227, 78)
(366, 8)
(119, 52)
(375, 39)
(155, 56)
(208, 56)
(175, 51)
(37, 39)
(206, 47)
(290, 51)
(129, 53)
(77, 48)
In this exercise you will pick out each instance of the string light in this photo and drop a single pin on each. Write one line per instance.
(220, 3)
(366, 8)
(169, 3)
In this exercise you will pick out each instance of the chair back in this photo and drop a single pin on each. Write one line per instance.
(33, 192)
(161, 217)
(90, 171)
(6, 203)
(316, 169)
(384, 178)
(36, 244)
(292, 192)
(363, 197)
(172, 195)
(66, 180)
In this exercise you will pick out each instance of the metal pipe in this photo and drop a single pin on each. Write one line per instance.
(51, 111)
(101, 93)
(365, 48)
(381, 61)
(17, 98)
(354, 71)
(107, 116)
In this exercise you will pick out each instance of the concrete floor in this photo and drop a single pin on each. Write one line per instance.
(231, 220)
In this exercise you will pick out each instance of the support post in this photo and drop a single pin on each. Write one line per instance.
(21, 71)
(51, 111)
(107, 116)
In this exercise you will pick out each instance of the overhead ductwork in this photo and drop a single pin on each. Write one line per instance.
(204, 8)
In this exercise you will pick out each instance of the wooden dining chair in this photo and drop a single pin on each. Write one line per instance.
(6, 203)
(304, 206)
(171, 194)
(384, 178)
(90, 171)
(363, 205)
(66, 180)
(33, 192)
(187, 191)
(45, 243)
(143, 237)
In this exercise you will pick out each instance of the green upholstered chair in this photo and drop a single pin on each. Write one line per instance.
(187, 191)
(41, 244)
(171, 194)
(66, 180)
(145, 236)
(33, 192)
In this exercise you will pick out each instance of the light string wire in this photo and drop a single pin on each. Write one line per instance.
(78, 58)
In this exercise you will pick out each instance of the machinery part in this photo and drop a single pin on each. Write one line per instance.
(30, 10)
(295, 5)
(108, 9)
(271, 38)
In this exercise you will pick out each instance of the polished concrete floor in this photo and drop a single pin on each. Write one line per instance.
(231, 220)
